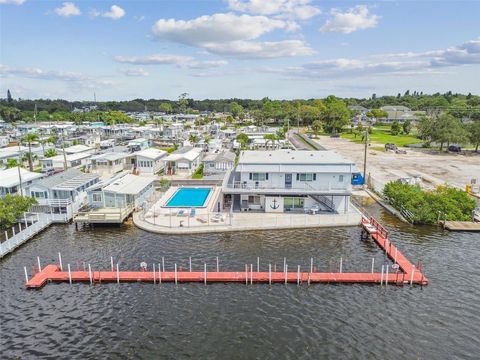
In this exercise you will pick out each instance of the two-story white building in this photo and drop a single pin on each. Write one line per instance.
(289, 181)
(148, 161)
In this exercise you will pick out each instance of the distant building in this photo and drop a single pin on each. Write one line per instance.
(10, 181)
(148, 161)
(107, 164)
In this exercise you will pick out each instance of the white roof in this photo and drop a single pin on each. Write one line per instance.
(151, 153)
(110, 156)
(189, 155)
(292, 157)
(9, 177)
(70, 157)
(130, 184)
(77, 149)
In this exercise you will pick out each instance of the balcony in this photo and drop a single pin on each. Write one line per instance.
(237, 187)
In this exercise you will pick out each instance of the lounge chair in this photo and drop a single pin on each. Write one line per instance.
(202, 220)
(192, 212)
(217, 217)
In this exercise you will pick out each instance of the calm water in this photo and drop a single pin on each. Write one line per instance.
(234, 321)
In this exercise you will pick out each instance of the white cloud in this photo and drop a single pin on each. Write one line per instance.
(294, 9)
(261, 49)
(16, 2)
(115, 13)
(206, 64)
(66, 76)
(409, 63)
(135, 72)
(156, 59)
(357, 18)
(67, 9)
(231, 35)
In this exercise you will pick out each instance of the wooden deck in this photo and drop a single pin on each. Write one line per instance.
(461, 225)
(405, 273)
(104, 215)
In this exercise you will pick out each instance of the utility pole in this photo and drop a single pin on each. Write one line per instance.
(365, 158)
(64, 154)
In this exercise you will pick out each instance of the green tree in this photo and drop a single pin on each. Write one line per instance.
(236, 109)
(407, 126)
(50, 153)
(317, 127)
(11, 163)
(377, 114)
(447, 129)
(29, 138)
(395, 128)
(12, 207)
(166, 107)
(193, 139)
(242, 139)
(9, 97)
(183, 103)
(272, 138)
(474, 133)
(336, 114)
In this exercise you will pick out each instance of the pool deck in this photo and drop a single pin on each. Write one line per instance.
(243, 222)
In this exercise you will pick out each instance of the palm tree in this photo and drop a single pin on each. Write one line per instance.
(11, 163)
(29, 138)
(193, 139)
(270, 138)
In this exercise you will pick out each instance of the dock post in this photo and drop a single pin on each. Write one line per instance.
(311, 265)
(111, 262)
(246, 274)
(269, 274)
(205, 273)
(381, 276)
(341, 264)
(60, 261)
(26, 274)
(258, 264)
(175, 273)
(386, 276)
(218, 267)
(154, 274)
(251, 274)
(69, 274)
(298, 275)
(118, 275)
(411, 275)
(163, 264)
(308, 282)
(373, 264)
(90, 274)
(190, 263)
(159, 274)
(284, 264)
(286, 273)
(38, 262)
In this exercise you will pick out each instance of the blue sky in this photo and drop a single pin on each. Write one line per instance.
(282, 49)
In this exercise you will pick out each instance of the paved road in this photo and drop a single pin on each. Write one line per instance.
(299, 144)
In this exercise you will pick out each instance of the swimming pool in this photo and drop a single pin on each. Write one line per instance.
(189, 197)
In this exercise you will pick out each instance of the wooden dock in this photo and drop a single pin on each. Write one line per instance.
(104, 215)
(461, 225)
(402, 272)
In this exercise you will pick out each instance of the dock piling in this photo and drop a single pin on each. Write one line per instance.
(284, 264)
(311, 265)
(298, 275)
(111, 262)
(381, 276)
(373, 264)
(205, 273)
(218, 267)
(90, 274)
(154, 274)
(251, 274)
(286, 273)
(159, 274)
(69, 274)
(39, 265)
(118, 275)
(411, 275)
(386, 276)
(258, 264)
(26, 273)
(190, 263)
(246, 274)
(163, 264)
(269, 274)
(341, 265)
(176, 274)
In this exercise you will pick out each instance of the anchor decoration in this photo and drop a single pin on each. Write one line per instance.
(274, 205)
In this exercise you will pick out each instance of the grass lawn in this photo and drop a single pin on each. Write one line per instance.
(382, 136)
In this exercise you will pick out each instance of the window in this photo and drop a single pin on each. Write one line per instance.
(340, 178)
(254, 200)
(306, 177)
(97, 197)
(258, 176)
(290, 203)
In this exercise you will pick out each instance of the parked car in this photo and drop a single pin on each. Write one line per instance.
(390, 146)
(335, 135)
(454, 148)
(398, 151)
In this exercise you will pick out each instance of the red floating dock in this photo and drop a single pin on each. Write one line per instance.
(404, 274)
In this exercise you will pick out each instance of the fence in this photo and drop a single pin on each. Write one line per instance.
(38, 222)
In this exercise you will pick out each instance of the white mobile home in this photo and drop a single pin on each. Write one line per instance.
(10, 181)
(148, 161)
(184, 161)
(287, 180)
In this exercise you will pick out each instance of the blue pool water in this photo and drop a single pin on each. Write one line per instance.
(189, 197)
